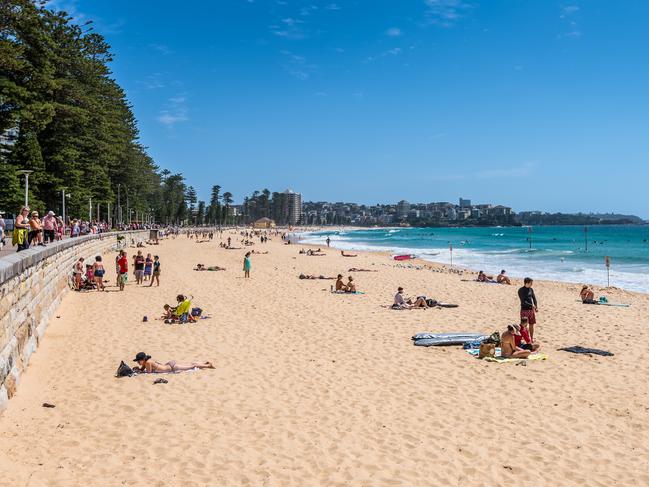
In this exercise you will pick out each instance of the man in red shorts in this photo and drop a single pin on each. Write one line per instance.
(529, 305)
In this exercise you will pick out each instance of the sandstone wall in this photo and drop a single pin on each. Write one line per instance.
(32, 284)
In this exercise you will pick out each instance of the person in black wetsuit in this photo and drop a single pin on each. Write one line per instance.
(529, 304)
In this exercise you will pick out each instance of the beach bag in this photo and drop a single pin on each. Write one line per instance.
(603, 300)
(123, 370)
(196, 312)
(487, 350)
(493, 338)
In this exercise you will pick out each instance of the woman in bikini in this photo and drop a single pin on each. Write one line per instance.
(149, 366)
(98, 273)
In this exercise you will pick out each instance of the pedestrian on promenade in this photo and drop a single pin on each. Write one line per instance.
(21, 229)
(49, 227)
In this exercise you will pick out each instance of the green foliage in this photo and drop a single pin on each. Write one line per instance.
(76, 127)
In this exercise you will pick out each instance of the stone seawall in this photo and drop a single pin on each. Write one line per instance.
(32, 284)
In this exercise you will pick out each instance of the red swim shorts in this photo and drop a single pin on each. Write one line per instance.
(530, 315)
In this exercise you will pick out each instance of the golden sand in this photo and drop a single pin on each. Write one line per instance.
(314, 388)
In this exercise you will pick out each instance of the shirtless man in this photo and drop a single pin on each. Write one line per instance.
(340, 285)
(508, 348)
(351, 287)
(148, 366)
(342, 252)
(502, 278)
(406, 303)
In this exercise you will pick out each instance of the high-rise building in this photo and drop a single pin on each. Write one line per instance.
(292, 207)
(465, 203)
(403, 207)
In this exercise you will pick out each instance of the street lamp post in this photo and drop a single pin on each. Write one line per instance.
(119, 204)
(26, 173)
(63, 203)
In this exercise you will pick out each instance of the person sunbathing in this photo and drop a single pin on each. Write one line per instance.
(316, 253)
(587, 295)
(148, 366)
(311, 276)
(353, 269)
(342, 252)
(259, 252)
(502, 278)
(400, 302)
(508, 348)
(201, 267)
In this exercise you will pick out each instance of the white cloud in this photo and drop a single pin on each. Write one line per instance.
(161, 48)
(568, 16)
(393, 32)
(516, 172)
(332, 6)
(174, 112)
(444, 12)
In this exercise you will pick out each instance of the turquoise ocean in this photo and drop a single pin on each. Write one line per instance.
(560, 253)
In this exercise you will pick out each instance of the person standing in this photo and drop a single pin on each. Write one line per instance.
(529, 304)
(122, 275)
(328, 241)
(35, 230)
(156, 271)
(246, 265)
(49, 227)
(21, 229)
(139, 262)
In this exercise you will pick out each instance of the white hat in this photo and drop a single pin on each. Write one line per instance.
(51, 213)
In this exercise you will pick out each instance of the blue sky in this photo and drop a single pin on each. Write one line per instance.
(532, 104)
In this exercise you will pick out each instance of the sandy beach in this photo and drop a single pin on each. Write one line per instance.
(315, 388)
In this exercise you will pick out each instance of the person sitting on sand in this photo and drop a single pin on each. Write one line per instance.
(342, 252)
(587, 295)
(340, 285)
(508, 348)
(502, 278)
(523, 339)
(351, 286)
(482, 277)
(148, 366)
(182, 311)
(168, 313)
(406, 303)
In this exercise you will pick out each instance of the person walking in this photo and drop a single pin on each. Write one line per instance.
(246, 265)
(122, 276)
(21, 229)
(49, 227)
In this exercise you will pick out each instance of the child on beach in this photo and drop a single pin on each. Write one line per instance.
(246, 265)
(529, 304)
(122, 270)
(523, 339)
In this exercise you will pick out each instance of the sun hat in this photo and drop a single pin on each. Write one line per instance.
(141, 356)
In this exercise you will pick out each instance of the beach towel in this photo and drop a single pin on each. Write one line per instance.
(501, 360)
(594, 351)
(345, 292)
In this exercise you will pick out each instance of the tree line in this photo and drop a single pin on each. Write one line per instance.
(64, 117)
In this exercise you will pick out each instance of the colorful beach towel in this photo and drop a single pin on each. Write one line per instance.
(502, 360)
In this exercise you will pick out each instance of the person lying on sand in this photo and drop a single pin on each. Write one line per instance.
(148, 366)
(502, 278)
(523, 339)
(400, 302)
(259, 252)
(316, 253)
(342, 252)
(354, 269)
(482, 277)
(311, 276)
(508, 348)
(587, 295)
(201, 267)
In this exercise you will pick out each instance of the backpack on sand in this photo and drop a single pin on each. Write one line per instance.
(124, 370)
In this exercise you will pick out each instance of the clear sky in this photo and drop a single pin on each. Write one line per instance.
(535, 104)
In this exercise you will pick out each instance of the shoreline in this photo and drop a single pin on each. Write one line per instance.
(512, 272)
